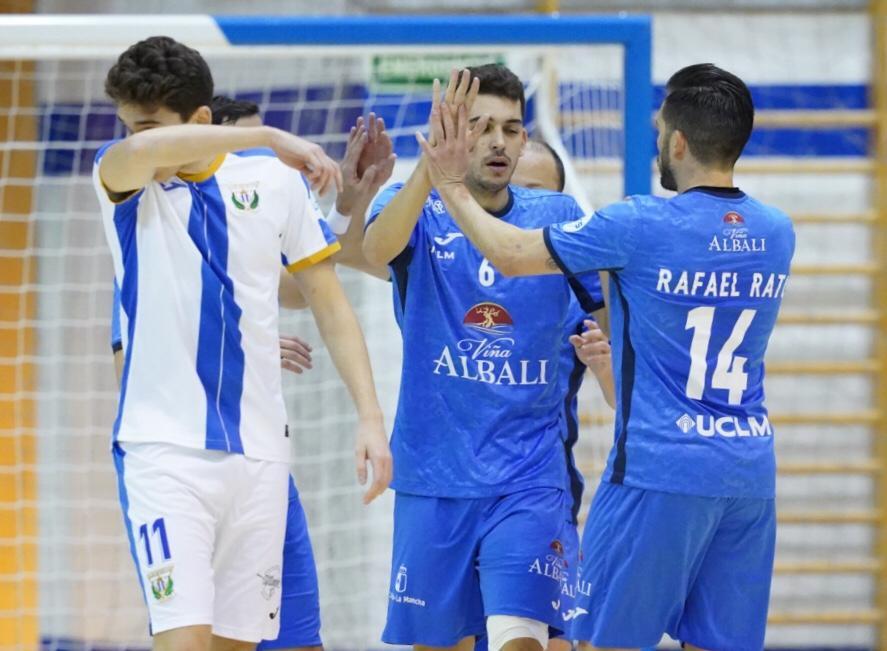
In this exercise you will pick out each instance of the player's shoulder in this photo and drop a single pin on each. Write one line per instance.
(541, 196)
(634, 206)
(260, 165)
(252, 160)
(777, 215)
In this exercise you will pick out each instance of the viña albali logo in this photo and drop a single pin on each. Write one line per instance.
(734, 238)
(486, 356)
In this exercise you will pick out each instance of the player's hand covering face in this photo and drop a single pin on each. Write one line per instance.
(321, 171)
(372, 446)
(449, 156)
(461, 90)
(368, 163)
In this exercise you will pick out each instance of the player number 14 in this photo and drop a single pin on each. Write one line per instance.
(730, 371)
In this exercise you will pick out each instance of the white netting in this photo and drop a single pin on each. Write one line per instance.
(79, 565)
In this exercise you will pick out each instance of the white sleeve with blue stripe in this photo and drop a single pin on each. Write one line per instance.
(306, 239)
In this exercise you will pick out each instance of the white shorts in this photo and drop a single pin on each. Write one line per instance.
(206, 532)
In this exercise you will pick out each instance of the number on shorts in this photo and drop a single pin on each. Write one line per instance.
(158, 529)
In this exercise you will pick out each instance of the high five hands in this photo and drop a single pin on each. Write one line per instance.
(451, 132)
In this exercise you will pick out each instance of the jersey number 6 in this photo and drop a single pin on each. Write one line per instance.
(486, 275)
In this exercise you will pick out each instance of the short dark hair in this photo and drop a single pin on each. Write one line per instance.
(713, 109)
(558, 162)
(226, 109)
(499, 81)
(161, 72)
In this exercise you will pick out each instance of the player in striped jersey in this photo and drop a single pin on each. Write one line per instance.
(197, 234)
(680, 537)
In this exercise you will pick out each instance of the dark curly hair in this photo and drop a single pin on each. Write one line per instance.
(226, 109)
(499, 81)
(161, 72)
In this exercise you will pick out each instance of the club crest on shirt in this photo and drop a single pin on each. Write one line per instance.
(489, 318)
(162, 586)
(245, 198)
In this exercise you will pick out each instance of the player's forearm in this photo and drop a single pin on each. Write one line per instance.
(344, 340)
(513, 251)
(351, 240)
(604, 377)
(131, 163)
(389, 234)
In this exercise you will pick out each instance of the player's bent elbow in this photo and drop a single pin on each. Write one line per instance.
(509, 264)
(374, 252)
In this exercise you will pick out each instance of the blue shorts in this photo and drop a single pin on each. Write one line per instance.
(458, 560)
(300, 601)
(697, 568)
(571, 584)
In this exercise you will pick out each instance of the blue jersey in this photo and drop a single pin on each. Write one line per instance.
(116, 335)
(480, 411)
(697, 284)
(573, 372)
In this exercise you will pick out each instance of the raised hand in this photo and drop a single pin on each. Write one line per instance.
(378, 151)
(592, 347)
(309, 158)
(368, 163)
(447, 151)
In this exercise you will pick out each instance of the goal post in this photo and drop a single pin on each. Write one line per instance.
(589, 95)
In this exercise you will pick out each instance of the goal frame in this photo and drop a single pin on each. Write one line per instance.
(35, 37)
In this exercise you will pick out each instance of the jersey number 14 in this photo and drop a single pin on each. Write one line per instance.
(729, 372)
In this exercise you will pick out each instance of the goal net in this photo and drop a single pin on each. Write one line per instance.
(66, 575)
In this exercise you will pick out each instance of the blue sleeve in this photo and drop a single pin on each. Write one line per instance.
(403, 258)
(605, 240)
(116, 338)
(588, 291)
(383, 200)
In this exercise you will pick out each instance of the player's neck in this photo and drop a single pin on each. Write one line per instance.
(492, 202)
(707, 177)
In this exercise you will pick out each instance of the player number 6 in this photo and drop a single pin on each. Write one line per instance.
(486, 275)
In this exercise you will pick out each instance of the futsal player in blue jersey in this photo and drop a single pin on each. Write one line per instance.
(680, 537)
(480, 470)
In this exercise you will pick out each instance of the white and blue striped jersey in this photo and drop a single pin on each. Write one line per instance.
(197, 260)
